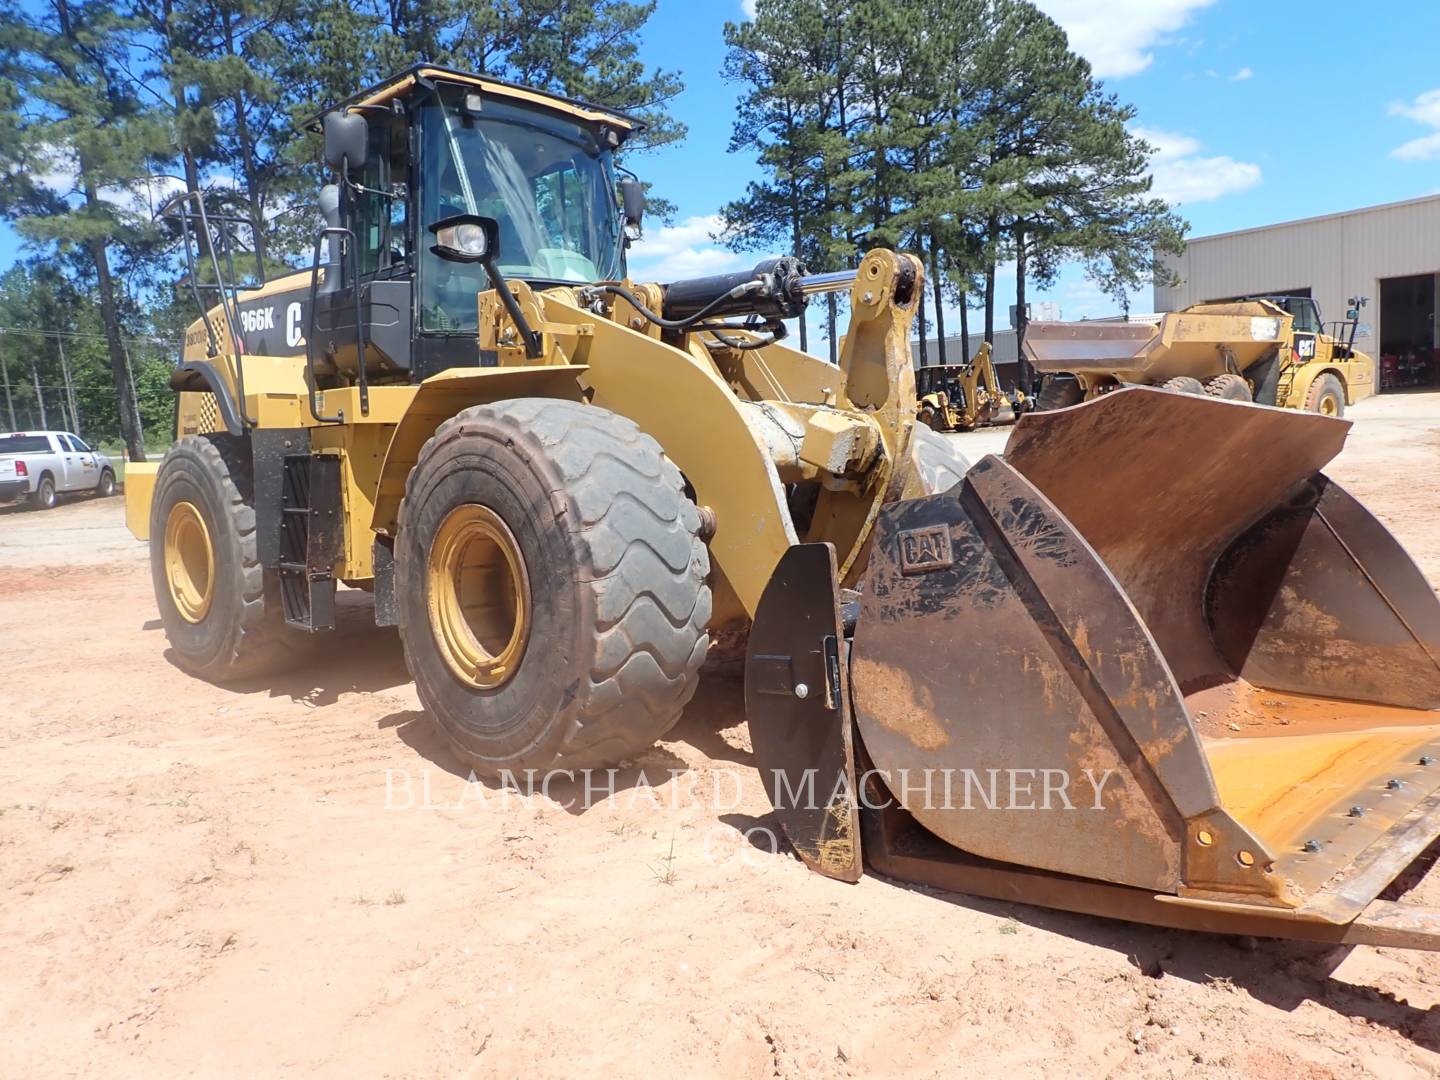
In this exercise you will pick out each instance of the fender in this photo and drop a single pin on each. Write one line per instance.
(199, 376)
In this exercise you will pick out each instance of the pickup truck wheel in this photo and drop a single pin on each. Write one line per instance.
(222, 614)
(43, 497)
(552, 586)
(106, 487)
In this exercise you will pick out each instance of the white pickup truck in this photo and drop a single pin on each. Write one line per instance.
(39, 465)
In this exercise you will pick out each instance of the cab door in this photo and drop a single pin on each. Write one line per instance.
(77, 464)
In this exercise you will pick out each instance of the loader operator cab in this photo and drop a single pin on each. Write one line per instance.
(440, 144)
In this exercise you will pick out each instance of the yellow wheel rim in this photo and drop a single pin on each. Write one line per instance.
(479, 596)
(189, 562)
(1328, 405)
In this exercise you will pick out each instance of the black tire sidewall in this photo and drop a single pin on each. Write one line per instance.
(528, 715)
(1329, 386)
(45, 495)
(101, 488)
(186, 477)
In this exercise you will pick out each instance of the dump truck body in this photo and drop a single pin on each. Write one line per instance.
(1285, 359)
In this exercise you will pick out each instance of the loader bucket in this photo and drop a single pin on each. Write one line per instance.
(1153, 663)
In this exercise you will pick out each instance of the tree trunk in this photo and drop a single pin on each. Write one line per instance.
(119, 368)
(920, 319)
(964, 328)
(831, 318)
(39, 393)
(69, 384)
(990, 302)
(992, 238)
(9, 401)
(939, 302)
(247, 157)
(1022, 367)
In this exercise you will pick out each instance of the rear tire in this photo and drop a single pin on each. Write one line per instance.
(1059, 392)
(1183, 384)
(603, 585)
(43, 497)
(233, 626)
(1230, 387)
(1326, 396)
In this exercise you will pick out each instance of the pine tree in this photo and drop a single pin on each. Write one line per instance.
(74, 161)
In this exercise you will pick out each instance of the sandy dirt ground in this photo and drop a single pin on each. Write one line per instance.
(296, 877)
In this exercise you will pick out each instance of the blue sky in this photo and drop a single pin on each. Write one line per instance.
(1263, 112)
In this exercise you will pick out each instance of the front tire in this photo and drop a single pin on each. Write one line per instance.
(1326, 396)
(553, 586)
(221, 621)
(106, 487)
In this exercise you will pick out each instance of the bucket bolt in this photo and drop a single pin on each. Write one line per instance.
(1357, 811)
(1394, 783)
(1313, 846)
(801, 690)
(1426, 759)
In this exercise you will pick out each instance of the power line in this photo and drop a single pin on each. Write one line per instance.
(23, 331)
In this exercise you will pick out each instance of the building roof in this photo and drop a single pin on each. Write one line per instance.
(1435, 198)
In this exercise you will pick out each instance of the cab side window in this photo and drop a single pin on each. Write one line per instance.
(380, 221)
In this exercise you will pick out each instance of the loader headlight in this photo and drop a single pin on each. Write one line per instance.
(466, 238)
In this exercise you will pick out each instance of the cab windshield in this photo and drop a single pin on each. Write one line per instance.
(545, 180)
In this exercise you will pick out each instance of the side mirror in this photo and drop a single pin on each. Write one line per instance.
(632, 199)
(346, 139)
(466, 238)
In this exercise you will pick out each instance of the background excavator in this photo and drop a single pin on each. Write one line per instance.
(559, 483)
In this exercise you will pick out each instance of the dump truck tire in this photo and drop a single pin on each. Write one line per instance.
(1059, 392)
(595, 566)
(941, 465)
(221, 612)
(1229, 386)
(1326, 396)
(1183, 384)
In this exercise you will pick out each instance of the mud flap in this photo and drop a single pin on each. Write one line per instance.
(797, 704)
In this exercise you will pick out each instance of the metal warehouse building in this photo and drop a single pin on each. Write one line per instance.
(1388, 255)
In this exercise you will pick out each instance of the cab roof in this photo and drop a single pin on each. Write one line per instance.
(420, 74)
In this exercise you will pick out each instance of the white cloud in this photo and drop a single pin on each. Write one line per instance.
(673, 252)
(1243, 74)
(1183, 176)
(1425, 109)
(748, 8)
(1117, 36)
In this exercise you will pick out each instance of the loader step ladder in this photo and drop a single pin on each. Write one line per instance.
(310, 525)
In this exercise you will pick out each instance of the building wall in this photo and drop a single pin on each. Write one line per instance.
(1336, 257)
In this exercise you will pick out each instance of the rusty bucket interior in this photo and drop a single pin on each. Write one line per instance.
(1165, 593)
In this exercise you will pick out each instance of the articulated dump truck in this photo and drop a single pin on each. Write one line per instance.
(1269, 349)
(1151, 663)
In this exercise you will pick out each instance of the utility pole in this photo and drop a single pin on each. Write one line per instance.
(9, 401)
(39, 394)
(69, 386)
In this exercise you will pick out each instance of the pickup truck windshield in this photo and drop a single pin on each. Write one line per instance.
(24, 444)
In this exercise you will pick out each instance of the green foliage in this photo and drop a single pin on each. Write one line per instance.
(964, 130)
(109, 107)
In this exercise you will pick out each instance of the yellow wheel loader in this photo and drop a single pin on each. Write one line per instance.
(963, 397)
(1206, 681)
(1270, 349)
